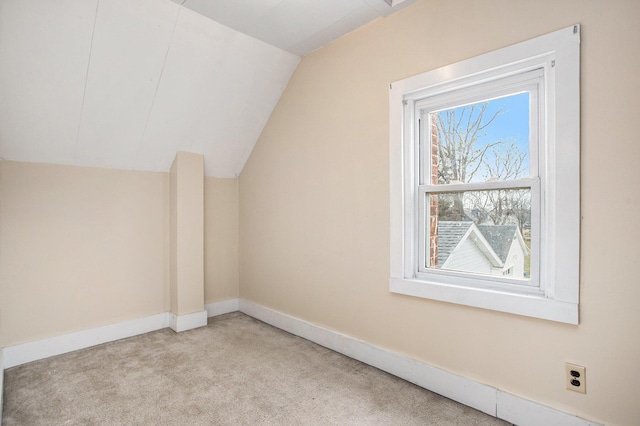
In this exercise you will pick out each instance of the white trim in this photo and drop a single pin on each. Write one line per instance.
(487, 399)
(526, 304)
(40, 349)
(466, 391)
(524, 183)
(180, 323)
(555, 254)
(524, 412)
(51, 346)
(224, 307)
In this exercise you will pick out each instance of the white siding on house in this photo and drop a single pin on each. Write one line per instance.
(469, 258)
(515, 259)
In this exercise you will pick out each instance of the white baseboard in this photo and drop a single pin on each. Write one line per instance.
(524, 412)
(466, 391)
(224, 307)
(180, 323)
(482, 397)
(488, 399)
(40, 349)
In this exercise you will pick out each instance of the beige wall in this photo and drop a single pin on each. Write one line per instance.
(79, 247)
(221, 244)
(82, 247)
(314, 203)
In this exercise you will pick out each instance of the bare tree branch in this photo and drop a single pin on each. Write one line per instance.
(461, 159)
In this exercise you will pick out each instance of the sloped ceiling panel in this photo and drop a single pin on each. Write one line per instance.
(297, 26)
(125, 84)
(265, 71)
(192, 70)
(121, 84)
(44, 52)
(292, 20)
(345, 24)
(130, 44)
(236, 14)
(219, 88)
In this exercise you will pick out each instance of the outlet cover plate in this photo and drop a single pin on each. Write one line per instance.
(576, 378)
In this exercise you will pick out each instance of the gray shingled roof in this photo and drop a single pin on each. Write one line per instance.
(449, 235)
(499, 237)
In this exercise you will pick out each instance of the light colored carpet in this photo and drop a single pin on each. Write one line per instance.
(235, 371)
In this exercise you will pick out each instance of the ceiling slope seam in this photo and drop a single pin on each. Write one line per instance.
(155, 93)
(295, 49)
(86, 79)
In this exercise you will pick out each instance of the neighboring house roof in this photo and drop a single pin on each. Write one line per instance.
(494, 240)
(449, 236)
(499, 237)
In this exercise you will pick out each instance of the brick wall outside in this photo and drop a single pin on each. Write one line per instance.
(433, 198)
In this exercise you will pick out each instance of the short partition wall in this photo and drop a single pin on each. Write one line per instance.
(485, 398)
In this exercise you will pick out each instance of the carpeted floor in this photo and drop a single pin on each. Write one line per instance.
(235, 371)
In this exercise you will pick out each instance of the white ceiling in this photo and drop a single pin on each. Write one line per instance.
(297, 26)
(126, 84)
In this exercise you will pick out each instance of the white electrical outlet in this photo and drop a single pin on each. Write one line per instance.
(576, 378)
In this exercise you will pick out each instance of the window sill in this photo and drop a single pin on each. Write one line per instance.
(536, 306)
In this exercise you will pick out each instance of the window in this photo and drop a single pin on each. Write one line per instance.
(485, 180)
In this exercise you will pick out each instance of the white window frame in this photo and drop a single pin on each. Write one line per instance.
(529, 76)
(555, 184)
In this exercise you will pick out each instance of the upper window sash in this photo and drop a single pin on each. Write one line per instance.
(531, 81)
(465, 75)
(496, 86)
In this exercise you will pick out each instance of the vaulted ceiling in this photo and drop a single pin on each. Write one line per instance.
(126, 84)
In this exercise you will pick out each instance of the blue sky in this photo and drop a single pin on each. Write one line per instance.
(512, 125)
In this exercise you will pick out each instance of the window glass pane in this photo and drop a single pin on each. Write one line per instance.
(480, 142)
(481, 232)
